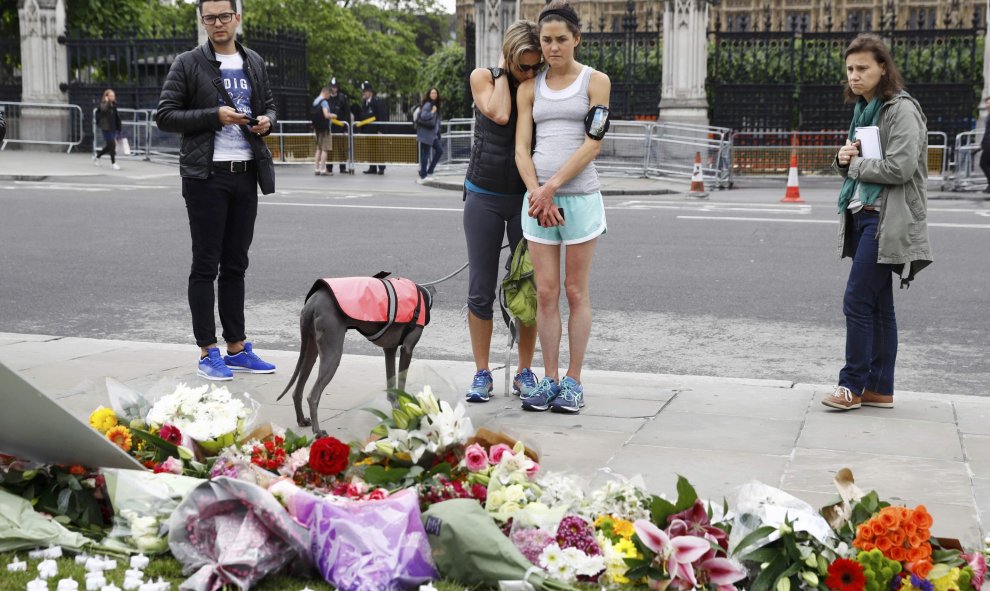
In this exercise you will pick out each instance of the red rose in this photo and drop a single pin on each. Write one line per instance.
(328, 456)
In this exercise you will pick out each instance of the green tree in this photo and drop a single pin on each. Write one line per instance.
(447, 70)
(95, 17)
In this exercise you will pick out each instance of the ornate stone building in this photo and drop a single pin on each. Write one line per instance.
(782, 15)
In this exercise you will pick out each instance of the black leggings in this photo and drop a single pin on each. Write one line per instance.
(109, 146)
(487, 219)
(985, 162)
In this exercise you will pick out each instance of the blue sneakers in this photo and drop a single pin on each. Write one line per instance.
(540, 398)
(571, 397)
(247, 361)
(524, 383)
(481, 387)
(212, 366)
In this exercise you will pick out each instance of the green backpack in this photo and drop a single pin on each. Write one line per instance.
(519, 288)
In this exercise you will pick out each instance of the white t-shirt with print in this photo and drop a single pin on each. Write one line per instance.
(230, 143)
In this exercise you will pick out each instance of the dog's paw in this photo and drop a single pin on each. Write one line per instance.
(305, 422)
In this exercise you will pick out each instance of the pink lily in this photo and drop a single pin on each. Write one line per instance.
(723, 572)
(677, 553)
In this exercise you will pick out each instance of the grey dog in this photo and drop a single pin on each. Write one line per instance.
(323, 323)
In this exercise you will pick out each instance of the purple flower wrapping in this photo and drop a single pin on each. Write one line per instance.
(368, 545)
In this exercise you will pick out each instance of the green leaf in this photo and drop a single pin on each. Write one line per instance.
(660, 509)
(767, 579)
(63, 501)
(379, 475)
(381, 415)
(751, 538)
(686, 495)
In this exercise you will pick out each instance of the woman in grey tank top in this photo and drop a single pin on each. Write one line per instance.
(560, 179)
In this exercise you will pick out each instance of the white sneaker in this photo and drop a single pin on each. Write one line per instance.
(421, 181)
(96, 161)
(115, 167)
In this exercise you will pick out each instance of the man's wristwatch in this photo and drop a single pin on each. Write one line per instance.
(496, 73)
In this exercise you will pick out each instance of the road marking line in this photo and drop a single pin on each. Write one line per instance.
(343, 205)
(744, 219)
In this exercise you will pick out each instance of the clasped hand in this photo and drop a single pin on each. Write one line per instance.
(542, 207)
(848, 152)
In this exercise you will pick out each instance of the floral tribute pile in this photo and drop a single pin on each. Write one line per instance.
(363, 514)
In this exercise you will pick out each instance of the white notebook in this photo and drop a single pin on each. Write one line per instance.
(869, 142)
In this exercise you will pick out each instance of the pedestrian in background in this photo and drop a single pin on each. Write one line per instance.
(427, 123)
(339, 111)
(372, 110)
(985, 149)
(108, 120)
(3, 127)
(222, 162)
(493, 201)
(568, 104)
(321, 119)
(882, 220)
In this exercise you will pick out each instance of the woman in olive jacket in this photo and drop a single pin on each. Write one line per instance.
(882, 211)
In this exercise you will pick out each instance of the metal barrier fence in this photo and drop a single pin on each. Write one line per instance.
(965, 170)
(43, 124)
(137, 125)
(671, 149)
(623, 149)
(769, 153)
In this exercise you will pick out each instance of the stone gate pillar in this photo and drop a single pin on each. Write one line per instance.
(201, 30)
(986, 70)
(492, 18)
(685, 62)
(44, 66)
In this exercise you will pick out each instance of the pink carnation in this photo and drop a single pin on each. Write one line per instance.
(496, 452)
(475, 458)
(171, 465)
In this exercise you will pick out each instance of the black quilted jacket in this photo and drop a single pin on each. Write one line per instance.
(190, 105)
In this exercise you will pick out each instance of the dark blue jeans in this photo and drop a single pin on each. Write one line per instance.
(871, 328)
(424, 157)
(222, 210)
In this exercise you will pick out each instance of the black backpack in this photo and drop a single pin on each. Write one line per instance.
(320, 123)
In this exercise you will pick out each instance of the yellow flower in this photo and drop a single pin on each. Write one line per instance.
(623, 528)
(121, 437)
(103, 419)
(365, 462)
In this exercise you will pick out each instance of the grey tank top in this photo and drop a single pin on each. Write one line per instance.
(559, 118)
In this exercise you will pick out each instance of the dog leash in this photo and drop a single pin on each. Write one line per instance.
(464, 266)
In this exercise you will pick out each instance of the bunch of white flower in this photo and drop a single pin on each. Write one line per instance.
(510, 484)
(424, 426)
(202, 413)
(560, 490)
(569, 563)
(628, 499)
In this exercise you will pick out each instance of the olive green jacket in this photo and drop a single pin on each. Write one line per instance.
(903, 229)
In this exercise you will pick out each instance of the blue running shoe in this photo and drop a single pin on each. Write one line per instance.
(571, 397)
(212, 366)
(540, 398)
(524, 383)
(481, 387)
(247, 361)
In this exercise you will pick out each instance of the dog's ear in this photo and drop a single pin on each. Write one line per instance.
(381, 274)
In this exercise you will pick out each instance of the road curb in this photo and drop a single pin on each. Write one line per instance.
(605, 191)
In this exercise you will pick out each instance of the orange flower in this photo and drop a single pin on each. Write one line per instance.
(915, 540)
(888, 519)
(884, 544)
(921, 517)
(898, 554)
(927, 549)
(77, 470)
(921, 568)
(909, 528)
(864, 532)
(866, 546)
(897, 537)
(121, 437)
(916, 554)
(876, 527)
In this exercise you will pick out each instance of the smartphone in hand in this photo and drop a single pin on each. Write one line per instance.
(252, 121)
(561, 210)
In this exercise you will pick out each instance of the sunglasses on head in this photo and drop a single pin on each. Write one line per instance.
(529, 68)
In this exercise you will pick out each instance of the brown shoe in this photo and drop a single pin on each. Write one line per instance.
(871, 398)
(842, 399)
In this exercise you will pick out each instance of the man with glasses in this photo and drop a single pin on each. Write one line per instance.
(218, 97)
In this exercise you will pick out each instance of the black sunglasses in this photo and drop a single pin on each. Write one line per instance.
(527, 68)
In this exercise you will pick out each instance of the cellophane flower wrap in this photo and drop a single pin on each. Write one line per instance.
(511, 484)
(373, 545)
(212, 417)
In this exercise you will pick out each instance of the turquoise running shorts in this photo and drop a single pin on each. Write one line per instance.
(584, 220)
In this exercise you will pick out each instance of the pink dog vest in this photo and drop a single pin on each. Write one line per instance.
(369, 299)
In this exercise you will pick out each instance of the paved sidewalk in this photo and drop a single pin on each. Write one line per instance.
(718, 432)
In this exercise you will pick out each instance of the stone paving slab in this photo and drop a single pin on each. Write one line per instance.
(880, 432)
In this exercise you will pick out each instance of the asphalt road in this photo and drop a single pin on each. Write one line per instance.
(739, 286)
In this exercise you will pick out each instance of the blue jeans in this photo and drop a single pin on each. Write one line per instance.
(424, 157)
(871, 328)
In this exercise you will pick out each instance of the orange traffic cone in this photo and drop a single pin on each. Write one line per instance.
(793, 193)
(697, 180)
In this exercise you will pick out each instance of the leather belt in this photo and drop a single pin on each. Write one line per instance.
(871, 208)
(234, 166)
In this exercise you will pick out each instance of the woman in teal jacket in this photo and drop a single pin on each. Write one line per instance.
(882, 211)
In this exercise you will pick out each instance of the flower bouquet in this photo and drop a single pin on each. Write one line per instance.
(212, 417)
